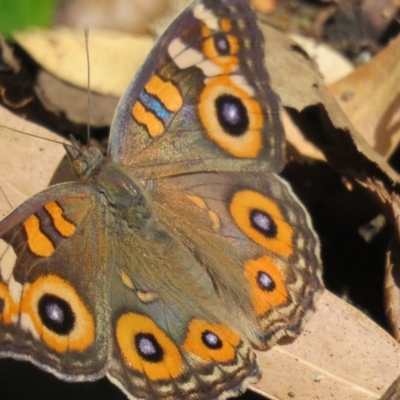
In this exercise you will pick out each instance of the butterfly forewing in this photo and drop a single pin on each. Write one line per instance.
(202, 95)
(48, 285)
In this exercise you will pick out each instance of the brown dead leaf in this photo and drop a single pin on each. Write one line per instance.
(341, 354)
(123, 15)
(62, 52)
(60, 97)
(370, 97)
(27, 164)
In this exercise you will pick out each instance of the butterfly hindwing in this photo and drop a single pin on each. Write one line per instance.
(254, 241)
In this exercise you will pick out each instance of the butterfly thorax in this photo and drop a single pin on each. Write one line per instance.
(125, 197)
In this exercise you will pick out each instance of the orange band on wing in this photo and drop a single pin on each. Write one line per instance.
(64, 227)
(38, 243)
(166, 92)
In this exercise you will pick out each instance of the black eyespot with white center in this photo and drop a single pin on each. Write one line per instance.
(211, 340)
(56, 314)
(263, 223)
(265, 282)
(232, 114)
(148, 347)
(221, 44)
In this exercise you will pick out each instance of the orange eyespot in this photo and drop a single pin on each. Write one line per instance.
(262, 221)
(231, 117)
(146, 348)
(58, 314)
(266, 282)
(211, 342)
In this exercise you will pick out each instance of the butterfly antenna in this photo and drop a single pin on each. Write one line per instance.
(88, 82)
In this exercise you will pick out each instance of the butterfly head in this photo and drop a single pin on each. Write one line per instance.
(84, 160)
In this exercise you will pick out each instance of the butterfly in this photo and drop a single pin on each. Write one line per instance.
(175, 255)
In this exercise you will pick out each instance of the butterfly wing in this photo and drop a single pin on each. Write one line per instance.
(255, 241)
(202, 95)
(51, 313)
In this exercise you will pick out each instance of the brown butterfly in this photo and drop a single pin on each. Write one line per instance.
(180, 250)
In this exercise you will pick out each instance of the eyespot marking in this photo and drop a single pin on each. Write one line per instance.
(267, 286)
(232, 115)
(221, 44)
(265, 281)
(260, 218)
(146, 348)
(263, 223)
(58, 314)
(231, 118)
(211, 342)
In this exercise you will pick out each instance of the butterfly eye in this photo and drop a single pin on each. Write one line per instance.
(79, 167)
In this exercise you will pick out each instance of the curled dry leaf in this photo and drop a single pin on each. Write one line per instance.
(370, 97)
(332, 64)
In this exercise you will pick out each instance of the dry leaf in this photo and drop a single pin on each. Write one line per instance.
(135, 16)
(370, 97)
(28, 164)
(62, 52)
(341, 354)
